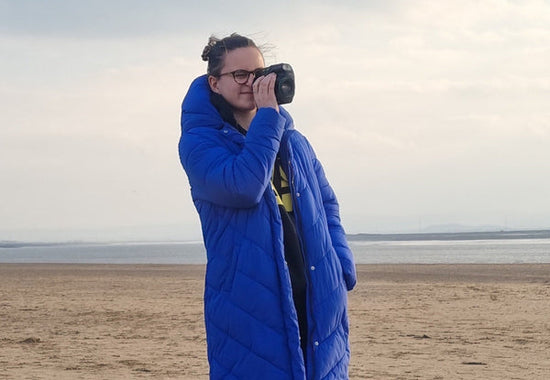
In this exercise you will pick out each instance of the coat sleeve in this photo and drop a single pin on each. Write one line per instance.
(219, 175)
(337, 233)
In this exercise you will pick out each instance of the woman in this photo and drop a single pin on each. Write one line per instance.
(278, 262)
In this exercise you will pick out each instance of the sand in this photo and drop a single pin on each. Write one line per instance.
(145, 321)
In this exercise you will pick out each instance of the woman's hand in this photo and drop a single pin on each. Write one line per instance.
(264, 92)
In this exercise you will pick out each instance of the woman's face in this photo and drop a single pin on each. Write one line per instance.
(239, 96)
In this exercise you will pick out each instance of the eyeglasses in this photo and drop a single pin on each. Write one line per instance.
(242, 76)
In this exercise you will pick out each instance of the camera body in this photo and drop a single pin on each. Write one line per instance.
(284, 84)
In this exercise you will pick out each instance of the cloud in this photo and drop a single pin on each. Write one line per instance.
(96, 19)
(428, 109)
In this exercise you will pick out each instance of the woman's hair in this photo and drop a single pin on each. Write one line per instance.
(214, 52)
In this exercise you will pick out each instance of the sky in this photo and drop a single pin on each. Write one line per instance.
(426, 115)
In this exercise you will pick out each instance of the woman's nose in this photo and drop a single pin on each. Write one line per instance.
(250, 80)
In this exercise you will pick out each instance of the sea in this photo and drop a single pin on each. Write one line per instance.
(458, 248)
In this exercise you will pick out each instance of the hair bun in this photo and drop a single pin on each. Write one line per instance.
(212, 41)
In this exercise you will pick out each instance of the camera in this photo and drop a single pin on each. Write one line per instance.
(284, 84)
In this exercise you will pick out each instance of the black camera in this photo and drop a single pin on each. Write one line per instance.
(284, 84)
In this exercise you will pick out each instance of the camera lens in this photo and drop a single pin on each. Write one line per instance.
(284, 84)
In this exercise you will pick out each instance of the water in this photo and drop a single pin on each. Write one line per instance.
(119, 253)
(505, 251)
(494, 251)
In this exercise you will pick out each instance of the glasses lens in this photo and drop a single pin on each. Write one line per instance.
(241, 76)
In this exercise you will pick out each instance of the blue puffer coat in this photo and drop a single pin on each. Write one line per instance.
(251, 324)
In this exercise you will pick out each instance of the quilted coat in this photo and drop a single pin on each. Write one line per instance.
(251, 323)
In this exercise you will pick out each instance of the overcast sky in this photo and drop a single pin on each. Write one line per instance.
(423, 113)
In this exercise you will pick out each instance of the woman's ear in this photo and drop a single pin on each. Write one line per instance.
(213, 82)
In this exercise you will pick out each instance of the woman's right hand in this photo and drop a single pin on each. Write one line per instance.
(264, 92)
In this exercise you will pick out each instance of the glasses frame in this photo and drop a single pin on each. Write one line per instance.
(241, 71)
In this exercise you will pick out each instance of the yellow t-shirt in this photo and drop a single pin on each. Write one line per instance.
(279, 181)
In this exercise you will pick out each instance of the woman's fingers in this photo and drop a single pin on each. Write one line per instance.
(264, 91)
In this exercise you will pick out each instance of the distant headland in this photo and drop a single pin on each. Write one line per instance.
(486, 235)
(420, 236)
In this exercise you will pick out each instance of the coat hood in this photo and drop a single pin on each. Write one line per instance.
(196, 109)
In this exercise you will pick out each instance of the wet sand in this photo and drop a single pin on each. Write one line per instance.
(145, 321)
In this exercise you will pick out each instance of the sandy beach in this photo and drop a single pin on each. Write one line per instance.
(145, 321)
